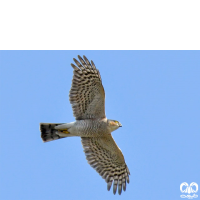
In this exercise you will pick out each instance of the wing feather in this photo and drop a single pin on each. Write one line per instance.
(87, 94)
(106, 158)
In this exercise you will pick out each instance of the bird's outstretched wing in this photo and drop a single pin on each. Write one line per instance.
(106, 158)
(87, 94)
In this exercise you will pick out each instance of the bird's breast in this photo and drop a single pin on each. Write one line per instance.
(90, 128)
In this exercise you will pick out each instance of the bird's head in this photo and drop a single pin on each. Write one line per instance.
(113, 124)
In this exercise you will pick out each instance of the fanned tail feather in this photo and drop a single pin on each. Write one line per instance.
(48, 131)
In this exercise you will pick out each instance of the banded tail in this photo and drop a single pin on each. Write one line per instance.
(54, 131)
(48, 132)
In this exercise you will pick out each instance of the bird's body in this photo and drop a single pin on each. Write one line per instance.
(87, 128)
(87, 97)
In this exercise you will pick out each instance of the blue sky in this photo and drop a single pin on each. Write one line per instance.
(154, 94)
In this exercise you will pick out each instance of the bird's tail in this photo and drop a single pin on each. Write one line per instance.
(54, 131)
(49, 133)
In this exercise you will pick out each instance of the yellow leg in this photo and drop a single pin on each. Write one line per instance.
(64, 131)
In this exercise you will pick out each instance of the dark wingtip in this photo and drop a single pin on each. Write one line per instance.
(79, 57)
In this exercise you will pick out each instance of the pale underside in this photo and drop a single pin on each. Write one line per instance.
(87, 97)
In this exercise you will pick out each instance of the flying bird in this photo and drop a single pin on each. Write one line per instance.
(87, 97)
